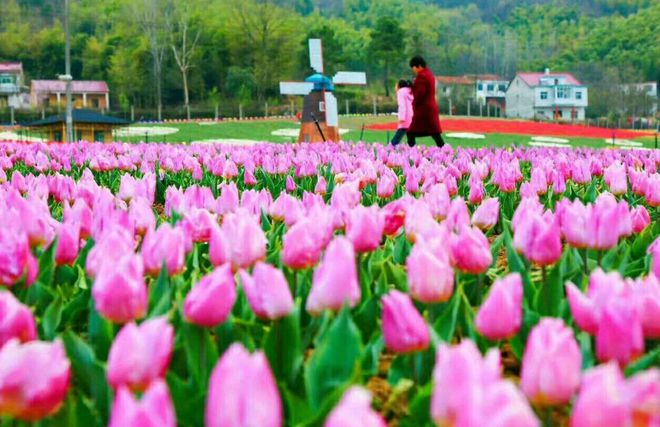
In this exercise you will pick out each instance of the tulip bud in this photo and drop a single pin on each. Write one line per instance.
(394, 216)
(430, 277)
(354, 407)
(34, 378)
(219, 250)
(140, 354)
(119, 291)
(487, 214)
(616, 179)
(321, 186)
(154, 409)
(654, 251)
(16, 320)
(601, 401)
(267, 292)
(438, 201)
(573, 219)
(552, 364)
(385, 186)
(242, 391)
(500, 316)
(15, 256)
(647, 297)
(605, 225)
(404, 328)
(246, 239)
(643, 392)
(210, 301)
(290, 184)
(365, 228)
(619, 336)
(470, 251)
(335, 279)
(112, 244)
(640, 219)
(301, 248)
(142, 215)
(165, 246)
(539, 239)
(477, 191)
(68, 243)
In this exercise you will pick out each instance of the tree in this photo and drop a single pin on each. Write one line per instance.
(184, 35)
(387, 43)
(152, 16)
(214, 98)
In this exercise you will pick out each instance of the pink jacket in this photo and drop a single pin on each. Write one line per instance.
(404, 99)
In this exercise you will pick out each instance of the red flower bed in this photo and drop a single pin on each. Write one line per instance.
(518, 127)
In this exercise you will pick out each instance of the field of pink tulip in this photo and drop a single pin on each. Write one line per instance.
(331, 285)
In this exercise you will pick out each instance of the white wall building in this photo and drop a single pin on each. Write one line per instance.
(491, 89)
(12, 85)
(558, 96)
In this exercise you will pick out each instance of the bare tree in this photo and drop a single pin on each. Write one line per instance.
(183, 41)
(152, 16)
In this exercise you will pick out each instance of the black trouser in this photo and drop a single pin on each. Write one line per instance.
(398, 136)
(437, 137)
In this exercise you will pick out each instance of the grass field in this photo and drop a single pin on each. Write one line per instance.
(262, 131)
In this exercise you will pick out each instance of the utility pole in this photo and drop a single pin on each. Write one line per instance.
(67, 78)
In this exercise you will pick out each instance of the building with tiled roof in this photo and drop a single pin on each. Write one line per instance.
(558, 96)
(11, 84)
(86, 93)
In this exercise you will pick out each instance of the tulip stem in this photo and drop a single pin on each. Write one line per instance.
(547, 417)
(586, 262)
(600, 256)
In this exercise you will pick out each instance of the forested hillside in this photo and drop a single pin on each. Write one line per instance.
(242, 48)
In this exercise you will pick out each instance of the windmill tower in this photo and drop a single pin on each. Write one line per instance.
(320, 104)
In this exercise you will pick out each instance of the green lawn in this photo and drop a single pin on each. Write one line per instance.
(262, 131)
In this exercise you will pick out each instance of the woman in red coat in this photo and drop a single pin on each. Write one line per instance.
(426, 116)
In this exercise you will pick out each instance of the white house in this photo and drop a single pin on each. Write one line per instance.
(491, 89)
(12, 85)
(558, 96)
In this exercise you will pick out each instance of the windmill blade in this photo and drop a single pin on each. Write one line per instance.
(350, 78)
(331, 117)
(296, 88)
(316, 55)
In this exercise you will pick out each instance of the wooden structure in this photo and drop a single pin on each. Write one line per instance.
(87, 126)
(85, 94)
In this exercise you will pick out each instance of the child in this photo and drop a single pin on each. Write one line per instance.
(404, 99)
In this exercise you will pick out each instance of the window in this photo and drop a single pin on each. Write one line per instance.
(502, 88)
(99, 136)
(480, 86)
(78, 133)
(544, 95)
(6, 79)
(563, 92)
(95, 102)
(578, 95)
(491, 88)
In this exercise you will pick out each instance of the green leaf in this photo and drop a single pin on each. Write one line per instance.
(445, 325)
(51, 319)
(335, 361)
(516, 264)
(201, 353)
(372, 353)
(100, 331)
(401, 249)
(551, 292)
(188, 401)
(160, 295)
(283, 347)
(47, 265)
(645, 362)
(587, 350)
(420, 409)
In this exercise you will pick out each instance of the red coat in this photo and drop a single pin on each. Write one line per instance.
(426, 117)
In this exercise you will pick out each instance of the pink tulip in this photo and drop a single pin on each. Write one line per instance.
(602, 401)
(404, 329)
(470, 251)
(616, 179)
(653, 190)
(290, 184)
(68, 243)
(119, 291)
(246, 239)
(16, 320)
(142, 215)
(154, 409)
(582, 309)
(573, 219)
(301, 248)
(198, 224)
(365, 228)
(164, 247)
(267, 292)
(500, 316)
(412, 181)
(385, 186)
(354, 409)
(643, 393)
(34, 379)
(458, 215)
(538, 238)
(321, 186)
(112, 244)
(335, 279)
(16, 260)
(394, 216)
(79, 213)
(551, 365)
(438, 201)
(640, 219)
(249, 179)
(287, 208)
(242, 391)
(458, 371)
(430, 277)
(604, 227)
(654, 251)
(647, 297)
(228, 200)
(620, 335)
(140, 355)
(487, 214)
(219, 250)
(210, 301)
(477, 191)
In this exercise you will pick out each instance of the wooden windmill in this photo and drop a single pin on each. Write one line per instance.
(320, 121)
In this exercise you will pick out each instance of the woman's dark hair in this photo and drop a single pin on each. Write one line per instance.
(404, 83)
(417, 61)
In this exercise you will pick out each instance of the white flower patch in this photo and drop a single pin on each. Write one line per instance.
(465, 135)
(546, 144)
(13, 136)
(228, 141)
(550, 139)
(291, 132)
(624, 142)
(145, 131)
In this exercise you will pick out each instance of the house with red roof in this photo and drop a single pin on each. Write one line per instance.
(85, 93)
(553, 96)
(11, 84)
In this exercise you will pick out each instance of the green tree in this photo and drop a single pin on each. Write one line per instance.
(387, 44)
